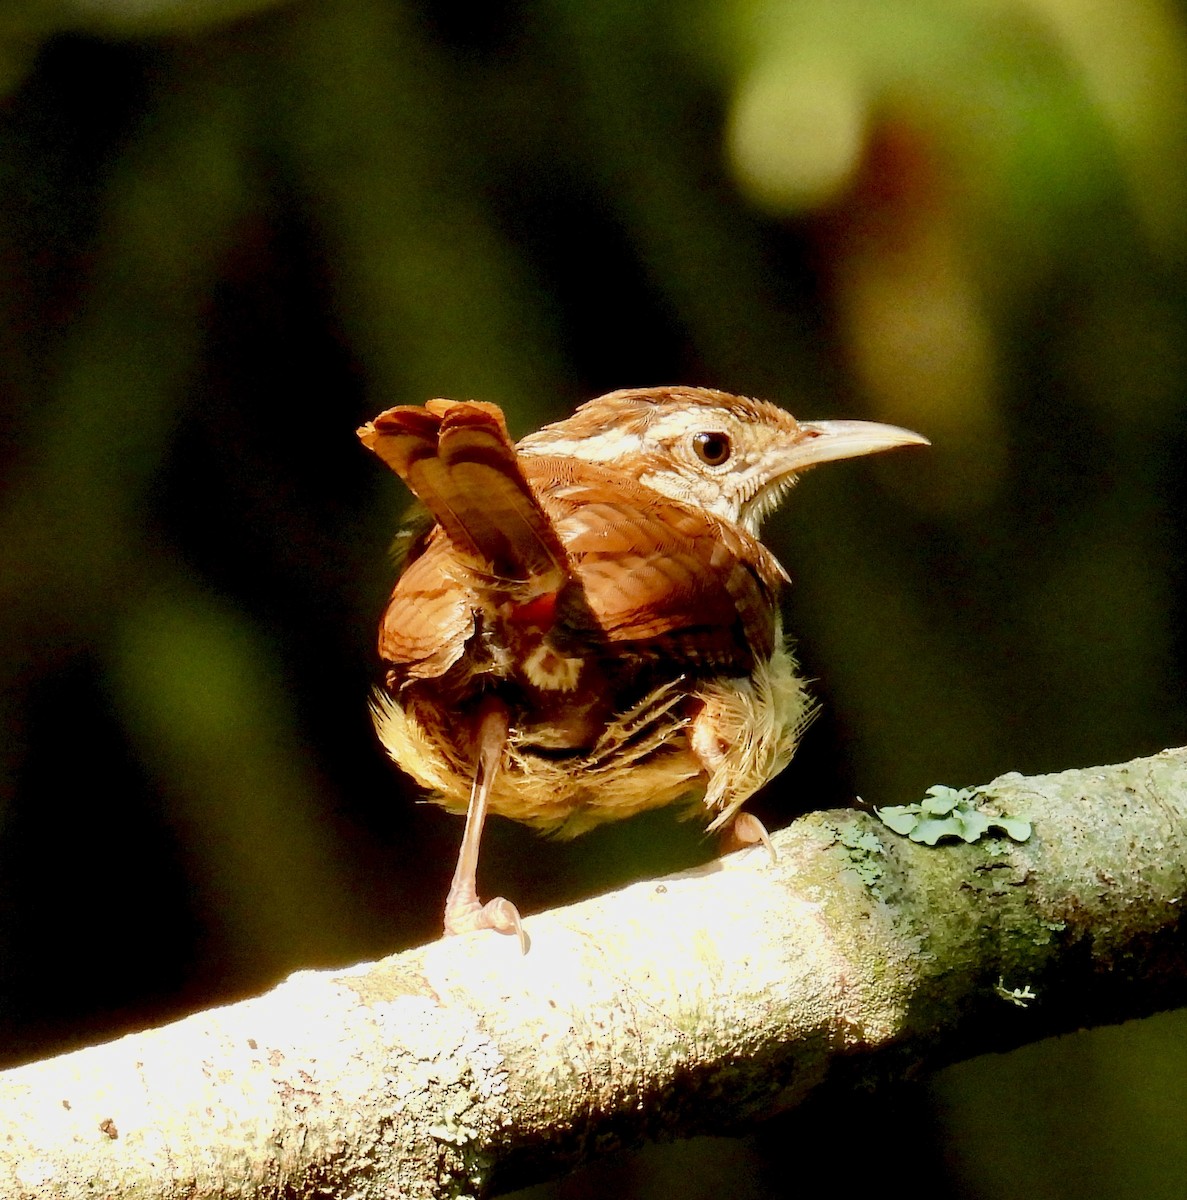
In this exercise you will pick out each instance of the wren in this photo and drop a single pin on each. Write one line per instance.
(589, 626)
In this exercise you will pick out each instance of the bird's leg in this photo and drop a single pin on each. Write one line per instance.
(715, 730)
(463, 910)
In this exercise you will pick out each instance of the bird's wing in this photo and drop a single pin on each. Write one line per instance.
(430, 616)
(666, 576)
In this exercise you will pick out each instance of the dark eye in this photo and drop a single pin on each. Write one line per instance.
(712, 448)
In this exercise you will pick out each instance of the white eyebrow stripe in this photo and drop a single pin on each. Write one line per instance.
(600, 447)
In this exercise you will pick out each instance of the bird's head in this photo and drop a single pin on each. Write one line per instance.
(729, 455)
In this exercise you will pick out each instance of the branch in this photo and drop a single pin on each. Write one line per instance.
(696, 1003)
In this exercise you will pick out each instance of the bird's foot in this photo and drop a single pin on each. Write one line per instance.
(748, 830)
(498, 914)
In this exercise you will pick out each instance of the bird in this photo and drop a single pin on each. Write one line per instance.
(586, 624)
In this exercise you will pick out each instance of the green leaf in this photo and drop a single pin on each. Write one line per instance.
(950, 813)
(973, 824)
(941, 800)
(901, 818)
(1014, 827)
(929, 830)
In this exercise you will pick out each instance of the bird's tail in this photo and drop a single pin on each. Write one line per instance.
(459, 461)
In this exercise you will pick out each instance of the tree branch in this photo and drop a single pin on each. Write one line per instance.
(696, 1003)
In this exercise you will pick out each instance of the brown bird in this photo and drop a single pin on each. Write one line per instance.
(590, 626)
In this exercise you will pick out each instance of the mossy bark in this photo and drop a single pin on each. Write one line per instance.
(678, 1006)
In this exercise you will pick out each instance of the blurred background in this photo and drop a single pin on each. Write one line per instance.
(231, 231)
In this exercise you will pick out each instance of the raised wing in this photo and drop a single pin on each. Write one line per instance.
(667, 576)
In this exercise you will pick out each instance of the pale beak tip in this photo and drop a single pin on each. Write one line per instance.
(831, 440)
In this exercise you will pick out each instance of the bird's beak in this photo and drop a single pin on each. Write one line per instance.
(827, 441)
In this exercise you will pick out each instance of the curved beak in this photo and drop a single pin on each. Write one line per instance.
(827, 441)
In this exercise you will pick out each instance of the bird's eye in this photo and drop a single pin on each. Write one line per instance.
(712, 448)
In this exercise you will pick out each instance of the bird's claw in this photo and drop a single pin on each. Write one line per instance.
(748, 830)
(498, 914)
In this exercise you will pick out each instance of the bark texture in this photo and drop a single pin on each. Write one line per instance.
(695, 1003)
